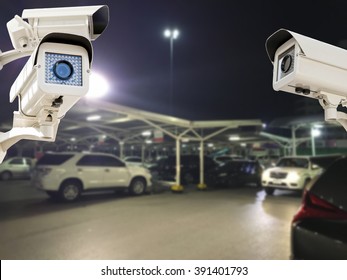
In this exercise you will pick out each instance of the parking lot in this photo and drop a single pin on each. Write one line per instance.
(238, 223)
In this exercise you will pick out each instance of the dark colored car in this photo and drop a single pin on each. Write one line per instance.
(319, 229)
(190, 168)
(237, 173)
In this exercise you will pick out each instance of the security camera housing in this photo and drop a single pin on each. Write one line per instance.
(303, 65)
(311, 68)
(39, 84)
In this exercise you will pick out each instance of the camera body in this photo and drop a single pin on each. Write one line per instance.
(55, 77)
(303, 65)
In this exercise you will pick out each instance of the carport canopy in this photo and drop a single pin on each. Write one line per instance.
(90, 118)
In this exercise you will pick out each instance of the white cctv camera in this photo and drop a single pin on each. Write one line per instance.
(308, 67)
(57, 73)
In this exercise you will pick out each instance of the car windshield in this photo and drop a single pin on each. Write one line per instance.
(293, 162)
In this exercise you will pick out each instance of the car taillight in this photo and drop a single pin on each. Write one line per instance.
(315, 207)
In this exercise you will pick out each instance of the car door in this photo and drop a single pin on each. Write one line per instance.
(28, 165)
(91, 171)
(116, 173)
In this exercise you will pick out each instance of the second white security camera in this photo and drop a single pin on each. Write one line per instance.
(311, 68)
(303, 65)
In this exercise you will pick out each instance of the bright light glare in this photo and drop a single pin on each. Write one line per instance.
(234, 138)
(293, 176)
(175, 34)
(146, 133)
(93, 118)
(167, 33)
(98, 86)
(315, 132)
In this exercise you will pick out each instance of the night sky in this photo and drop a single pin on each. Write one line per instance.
(221, 69)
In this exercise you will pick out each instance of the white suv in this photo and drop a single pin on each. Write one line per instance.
(67, 175)
(291, 173)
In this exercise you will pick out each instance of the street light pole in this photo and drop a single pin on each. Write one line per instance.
(172, 35)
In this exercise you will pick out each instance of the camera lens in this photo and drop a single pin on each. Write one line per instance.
(286, 63)
(63, 69)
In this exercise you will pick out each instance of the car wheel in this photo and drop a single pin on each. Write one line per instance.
(70, 191)
(6, 175)
(138, 186)
(269, 191)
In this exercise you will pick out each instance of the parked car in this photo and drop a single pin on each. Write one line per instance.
(67, 175)
(134, 160)
(190, 168)
(16, 168)
(290, 173)
(237, 173)
(268, 160)
(319, 229)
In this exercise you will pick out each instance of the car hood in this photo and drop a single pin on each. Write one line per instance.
(286, 169)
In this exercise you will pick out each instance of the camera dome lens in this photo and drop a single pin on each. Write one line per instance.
(63, 69)
(286, 63)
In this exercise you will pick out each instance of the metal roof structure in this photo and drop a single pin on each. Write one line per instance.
(93, 118)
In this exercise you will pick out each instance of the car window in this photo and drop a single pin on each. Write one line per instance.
(16, 161)
(54, 159)
(134, 159)
(332, 184)
(99, 160)
(111, 161)
(293, 162)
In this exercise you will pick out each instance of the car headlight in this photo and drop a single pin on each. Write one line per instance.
(265, 174)
(293, 176)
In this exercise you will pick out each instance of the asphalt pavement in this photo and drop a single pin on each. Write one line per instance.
(238, 223)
